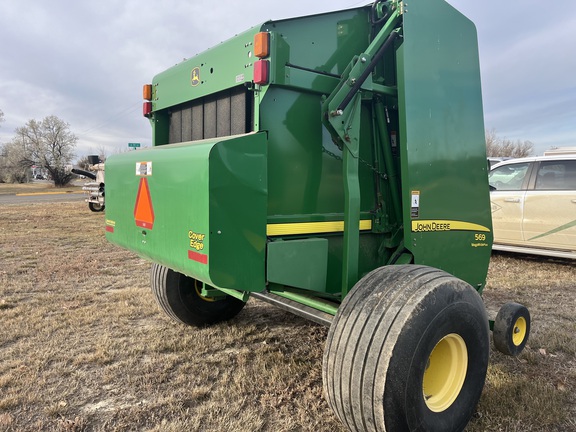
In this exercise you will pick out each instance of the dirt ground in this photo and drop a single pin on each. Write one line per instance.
(84, 347)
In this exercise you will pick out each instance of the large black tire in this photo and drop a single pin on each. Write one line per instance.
(407, 351)
(511, 329)
(179, 297)
(96, 207)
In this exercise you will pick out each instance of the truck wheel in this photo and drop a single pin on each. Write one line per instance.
(179, 297)
(408, 350)
(511, 329)
(95, 207)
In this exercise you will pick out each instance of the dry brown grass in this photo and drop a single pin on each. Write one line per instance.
(536, 391)
(37, 187)
(83, 346)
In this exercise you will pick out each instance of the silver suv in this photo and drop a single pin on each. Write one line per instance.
(534, 205)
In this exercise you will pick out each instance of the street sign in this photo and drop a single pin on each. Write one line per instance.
(133, 145)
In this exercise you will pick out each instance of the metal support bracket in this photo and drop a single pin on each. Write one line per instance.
(217, 293)
(342, 117)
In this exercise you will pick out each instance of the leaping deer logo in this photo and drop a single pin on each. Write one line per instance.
(195, 77)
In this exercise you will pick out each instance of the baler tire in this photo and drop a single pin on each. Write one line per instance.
(391, 337)
(179, 297)
(511, 329)
(95, 207)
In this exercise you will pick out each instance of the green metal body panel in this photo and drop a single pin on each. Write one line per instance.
(324, 43)
(443, 152)
(209, 206)
(304, 162)
(224, 66)
(398, 176)
(298, 263)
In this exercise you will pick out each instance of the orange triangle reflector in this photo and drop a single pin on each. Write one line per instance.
(143, 211)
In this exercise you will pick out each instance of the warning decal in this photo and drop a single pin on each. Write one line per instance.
(415, 204)
(143, 168)
(143, 210)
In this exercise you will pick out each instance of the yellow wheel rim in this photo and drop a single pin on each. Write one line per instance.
(519, 331)
(445, 372)
(198, 288)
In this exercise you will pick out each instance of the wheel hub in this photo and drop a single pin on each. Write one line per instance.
(445, 372)
(519, 332)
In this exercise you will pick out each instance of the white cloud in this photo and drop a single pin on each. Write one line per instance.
(86, 62)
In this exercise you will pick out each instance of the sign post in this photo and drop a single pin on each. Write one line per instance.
(134, 145)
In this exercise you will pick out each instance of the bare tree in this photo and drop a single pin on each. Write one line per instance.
(504, 147)
(49, 144)
(102, 153)
(2, 155)
(13, 165)
(11, 168)
(83, 163)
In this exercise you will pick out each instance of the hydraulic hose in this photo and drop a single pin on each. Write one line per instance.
(84, 173)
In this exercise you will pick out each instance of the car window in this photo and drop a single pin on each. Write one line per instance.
(508, 177)
(556, 175)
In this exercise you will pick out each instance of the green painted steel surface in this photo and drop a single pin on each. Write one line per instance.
(306, 299)
(408, 155)
(208, 201)
(298, 263)
(342, 117)
(310, 53)
(221, 67)
(443, 156)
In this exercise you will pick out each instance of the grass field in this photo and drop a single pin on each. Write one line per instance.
(83, 346)
(38, 187)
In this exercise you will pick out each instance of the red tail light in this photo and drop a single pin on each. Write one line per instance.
(147, 109)
(261, 72)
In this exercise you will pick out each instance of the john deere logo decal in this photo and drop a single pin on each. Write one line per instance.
(195, 77)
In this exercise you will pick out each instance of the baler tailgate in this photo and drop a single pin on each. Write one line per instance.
(198, 207)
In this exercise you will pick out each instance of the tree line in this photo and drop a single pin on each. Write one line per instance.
(503, 147)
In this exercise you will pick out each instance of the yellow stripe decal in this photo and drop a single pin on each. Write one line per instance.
(446, 225)
(311, 227)
(49, 193)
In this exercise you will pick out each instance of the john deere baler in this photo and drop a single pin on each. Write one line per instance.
(333, 165)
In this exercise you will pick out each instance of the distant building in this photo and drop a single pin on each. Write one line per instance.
(560, 151)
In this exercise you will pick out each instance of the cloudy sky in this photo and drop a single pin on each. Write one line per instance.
(86, 61)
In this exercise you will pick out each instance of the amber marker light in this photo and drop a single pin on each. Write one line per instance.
(262, 44)
(147, 92)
